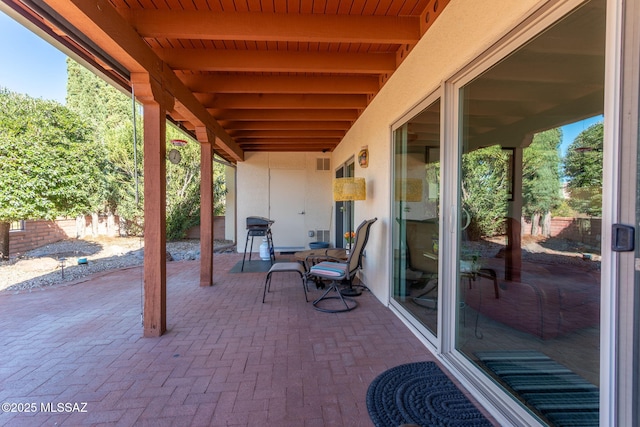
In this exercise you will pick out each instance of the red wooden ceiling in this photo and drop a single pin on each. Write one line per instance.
(277, 75)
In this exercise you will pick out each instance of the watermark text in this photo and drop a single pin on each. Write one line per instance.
(48, 407)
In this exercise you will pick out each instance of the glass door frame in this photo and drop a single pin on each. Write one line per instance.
(620, 280)
(622, 156)
(512, 412)
(430, 340)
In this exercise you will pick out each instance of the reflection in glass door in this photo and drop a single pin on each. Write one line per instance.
(344, 210)
(416, 212)
(530, 208)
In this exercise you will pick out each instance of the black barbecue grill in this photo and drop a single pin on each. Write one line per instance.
(258, 223)
(258, 226)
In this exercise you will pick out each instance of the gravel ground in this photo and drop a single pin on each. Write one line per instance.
(42, 267)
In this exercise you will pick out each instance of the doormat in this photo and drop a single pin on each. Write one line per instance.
(557, 393)
(253, 266)
(420, 393)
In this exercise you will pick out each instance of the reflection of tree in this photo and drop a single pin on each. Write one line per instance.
(485, 185)
(432, 179)
(583, 168)
(541, 179)
(484, 190)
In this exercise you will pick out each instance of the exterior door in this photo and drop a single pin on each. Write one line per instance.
(287, 193)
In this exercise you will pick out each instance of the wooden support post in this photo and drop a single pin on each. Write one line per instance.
(155, 104)
(206, 138)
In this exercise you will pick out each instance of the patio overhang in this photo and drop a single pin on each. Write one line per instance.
(283, 77)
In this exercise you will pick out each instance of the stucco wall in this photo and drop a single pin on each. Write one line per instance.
(219, 226)
(463, 31)
(253, 190)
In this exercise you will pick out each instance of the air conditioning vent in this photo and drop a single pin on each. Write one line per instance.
(322, 235)
(323, 164)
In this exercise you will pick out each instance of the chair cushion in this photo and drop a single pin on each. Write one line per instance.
(329, 269)
(287, 266)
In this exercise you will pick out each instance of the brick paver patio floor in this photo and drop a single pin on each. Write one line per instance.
(227, 359)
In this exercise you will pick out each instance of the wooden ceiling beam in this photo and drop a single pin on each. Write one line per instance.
(275, 101)
(290, 148)
(277, 61)
(279, 125)
(286, 133)
(313, 28)
(279, 115)
(226, 83)
(300, 141)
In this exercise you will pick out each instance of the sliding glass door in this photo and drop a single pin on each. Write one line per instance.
(530, 220)
(416, 216)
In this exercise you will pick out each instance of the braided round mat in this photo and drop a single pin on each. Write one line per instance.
(420, 393)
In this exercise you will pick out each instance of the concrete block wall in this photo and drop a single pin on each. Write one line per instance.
(43, 232)
(218, 229)
(40, 233)
(585, 230)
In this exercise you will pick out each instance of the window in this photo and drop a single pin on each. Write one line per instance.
(17, 226)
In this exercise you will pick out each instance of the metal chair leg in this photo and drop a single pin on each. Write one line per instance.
(344, 300)
(285, 268)
(304, 286)
(267, 286)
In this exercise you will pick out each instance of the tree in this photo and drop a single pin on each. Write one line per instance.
(541, 179)
(183, 183)
(111, 113)
(102, 105)
(219, 189)
(49, 163)
(125, 180)
(583, 169)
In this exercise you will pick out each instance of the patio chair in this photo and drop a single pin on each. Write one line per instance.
(422, 255)
(338, 271)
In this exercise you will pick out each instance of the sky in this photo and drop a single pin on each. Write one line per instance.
(570, 132)
(30, 65)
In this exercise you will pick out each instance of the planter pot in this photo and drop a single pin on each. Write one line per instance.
(318, 245)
